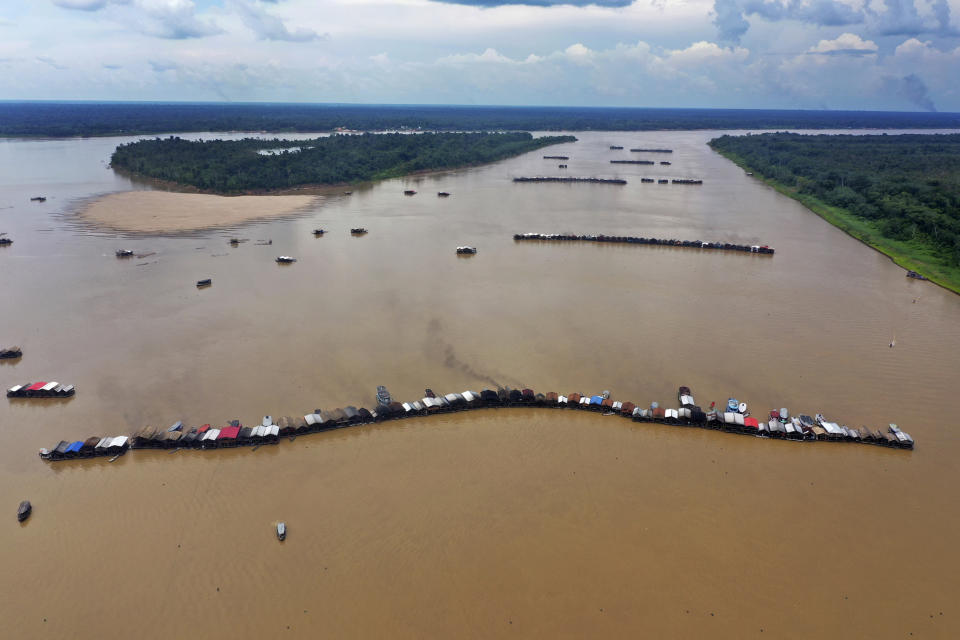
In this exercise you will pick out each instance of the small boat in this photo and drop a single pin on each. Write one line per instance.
(561, 166)
(383, 396)
(176, 426)
(664, 163)
(124, 253)
(38, 199)
(286, 259)
(615, 147)
(466, 250)
(742, 408)
(234, 242)
(281, 531)
(12, 352)
(733, 405)
(916, 276)
(23, 512)
(5, 241)
(784, 416)
(318, 232)
(206, 282)
(358, 231)
(348, 193)
(409, 192)
(443, 194)
(429, 393)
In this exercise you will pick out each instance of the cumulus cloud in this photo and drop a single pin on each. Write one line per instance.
(845, 44)
(540, 3)
(268, 26)
(170, 19)
(729, 21)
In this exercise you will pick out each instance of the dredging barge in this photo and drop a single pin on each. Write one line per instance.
(570, 179)
(735, 419)
(692, 244)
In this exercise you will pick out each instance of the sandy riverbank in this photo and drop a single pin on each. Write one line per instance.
(166, 212)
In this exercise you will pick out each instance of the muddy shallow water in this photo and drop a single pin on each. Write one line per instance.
(493, 523)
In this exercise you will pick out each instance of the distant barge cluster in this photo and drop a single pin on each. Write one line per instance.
(41, 390)
(570, 179)
(735, 419)
(693, 244)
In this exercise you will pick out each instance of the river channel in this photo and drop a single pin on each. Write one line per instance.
(500, 523)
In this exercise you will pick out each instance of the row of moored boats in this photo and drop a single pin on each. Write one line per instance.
(663, 242)
(41, 390)
(735, 418)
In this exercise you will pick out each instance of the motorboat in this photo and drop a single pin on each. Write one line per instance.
(358, 231)
(733, 405)
(319, 232)
(124, 253)
(409, 192)
(466, 251)
(286, 259)
(23, 512)
(281, 531)
(176, 426)
(383, 396)
(206, 282)
(443, 194)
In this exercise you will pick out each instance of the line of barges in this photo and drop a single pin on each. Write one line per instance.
(41, 390)
(735, 419)
(652, 150)
(632, 162)
(570, 179)
(693, 244)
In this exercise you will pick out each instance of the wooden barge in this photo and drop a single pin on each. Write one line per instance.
(556, 157)
(632, 162)
(652, 150)
(781, 425)
(10, 353)
(41, 390)
(692, 244)
(571, 179)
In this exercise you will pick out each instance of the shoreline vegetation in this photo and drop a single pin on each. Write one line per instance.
(905, 190)
(73, 119)
(230, 167)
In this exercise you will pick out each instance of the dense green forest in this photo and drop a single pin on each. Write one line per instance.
(136, 118)
(898, 193)
(236, 166)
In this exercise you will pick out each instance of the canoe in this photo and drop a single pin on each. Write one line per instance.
(23, 512)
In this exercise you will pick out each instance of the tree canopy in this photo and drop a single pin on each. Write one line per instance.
(234, 166)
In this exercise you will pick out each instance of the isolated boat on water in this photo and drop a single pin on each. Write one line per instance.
(409, 192)
(124, 253)
(468, 251)
(5, 241)
(38, 199)
(443, 194)
(23, 512)
(286, 259)
(358, 231)
(11, 352)
(206, 282)
(281, 531)
(319, 232)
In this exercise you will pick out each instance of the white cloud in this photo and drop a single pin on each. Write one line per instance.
(845, 44)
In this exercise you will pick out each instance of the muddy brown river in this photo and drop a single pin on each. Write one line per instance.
(499, 523)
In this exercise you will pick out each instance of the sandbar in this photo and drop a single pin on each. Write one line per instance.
(168, 212)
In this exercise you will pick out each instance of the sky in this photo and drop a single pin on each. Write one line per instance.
(778, 54)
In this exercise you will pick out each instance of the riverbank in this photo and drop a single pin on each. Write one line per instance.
(909, 255)
(170, 212)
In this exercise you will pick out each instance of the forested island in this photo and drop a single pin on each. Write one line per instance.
(898, 193)
(258, 165)
(138, 118)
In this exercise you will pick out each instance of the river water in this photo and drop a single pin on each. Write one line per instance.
(488, 524)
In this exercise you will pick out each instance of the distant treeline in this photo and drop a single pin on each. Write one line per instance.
(907, 187)
(233, 166)
(112, 118)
